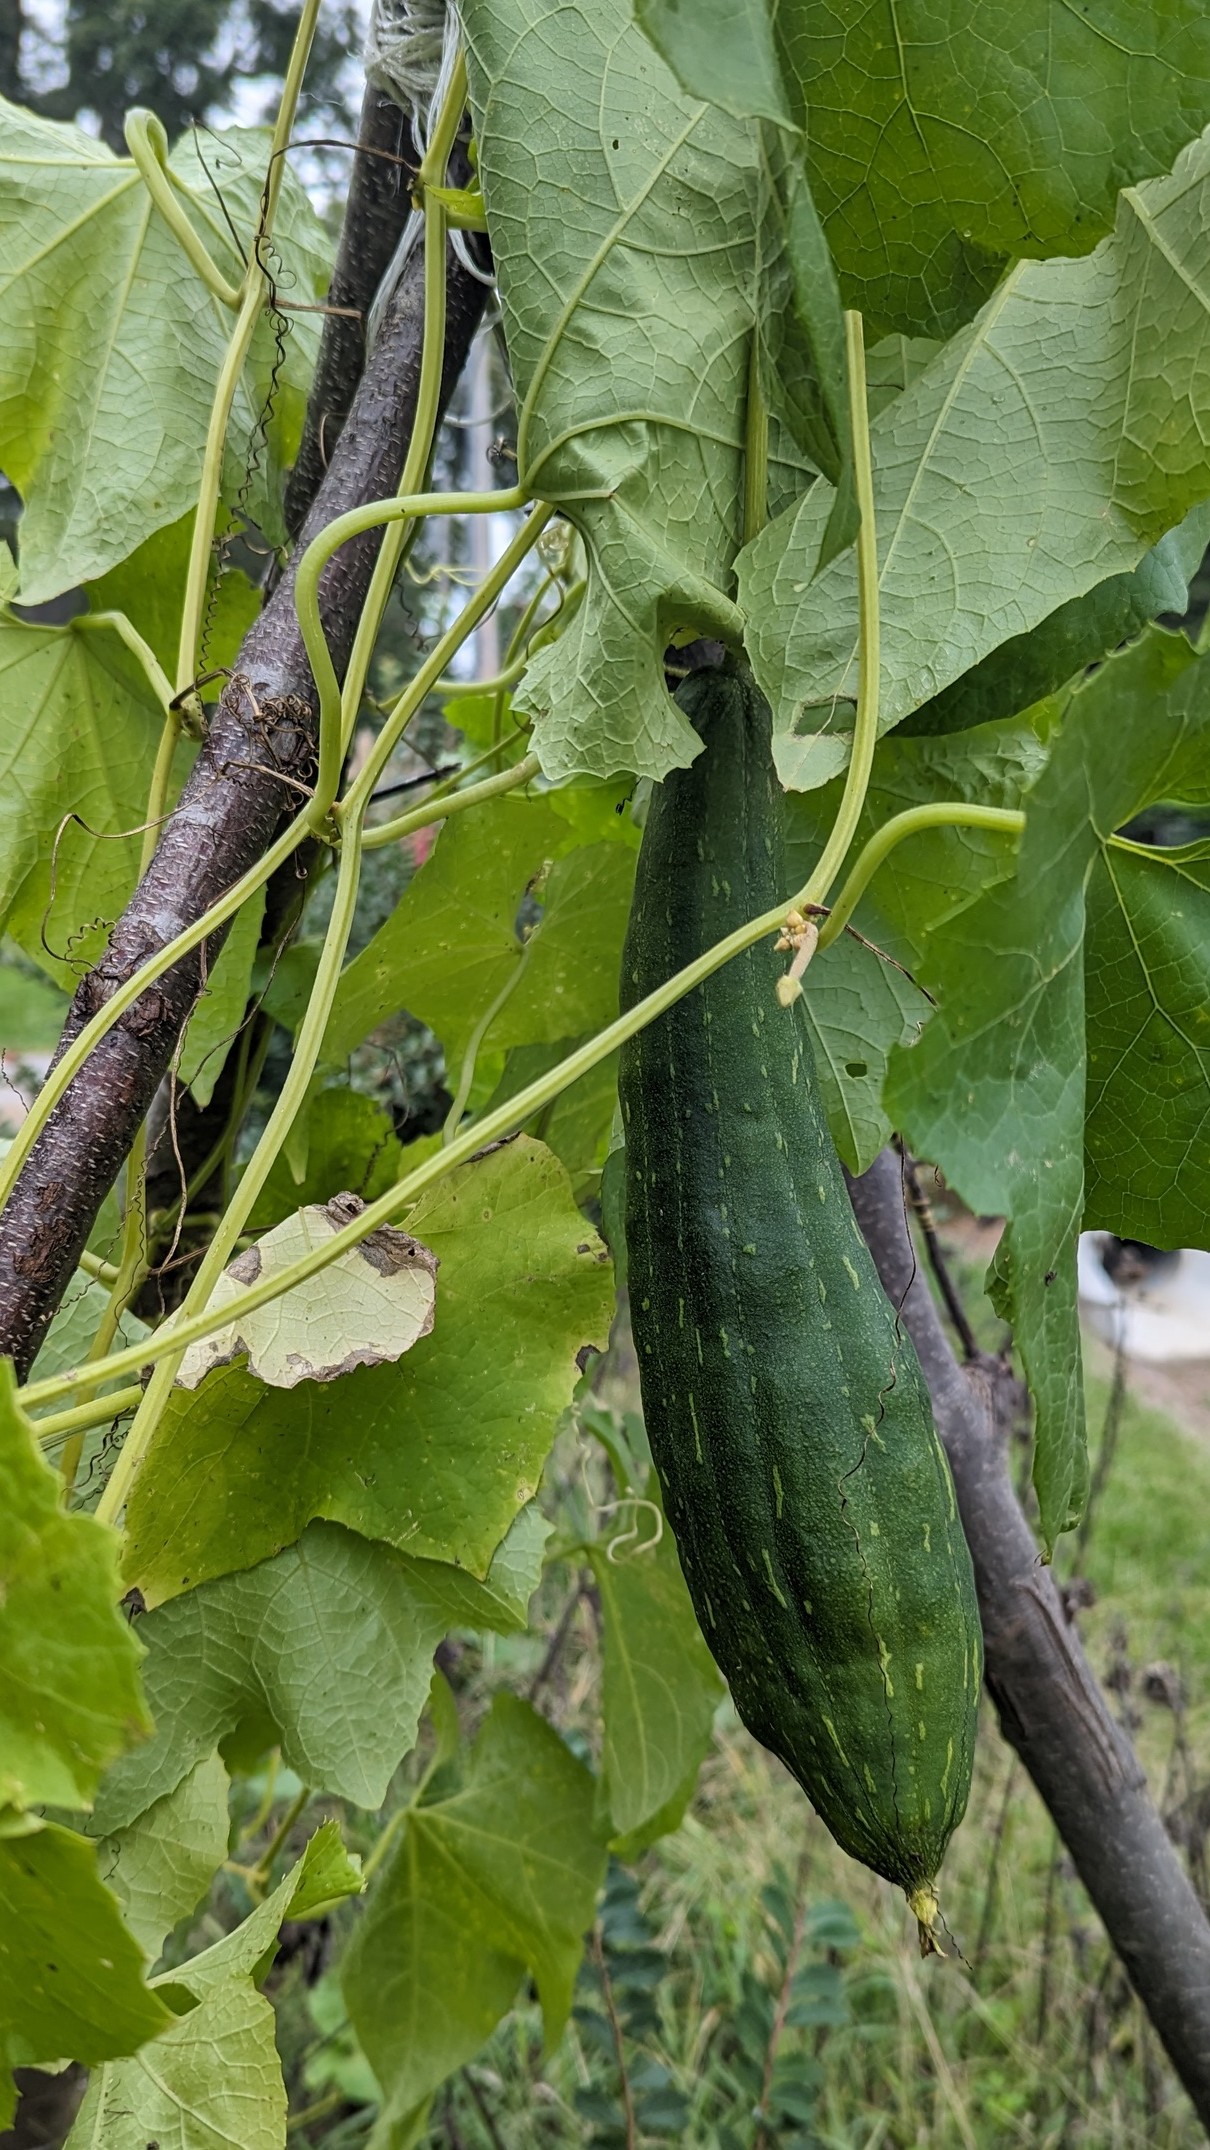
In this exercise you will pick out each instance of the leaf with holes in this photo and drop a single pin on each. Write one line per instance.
(436, 1454)
(369, 1306)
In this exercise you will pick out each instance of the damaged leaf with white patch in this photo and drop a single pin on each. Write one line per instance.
(367, 1307)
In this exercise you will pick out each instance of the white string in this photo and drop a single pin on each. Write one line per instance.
(411, 51)
(406, 49)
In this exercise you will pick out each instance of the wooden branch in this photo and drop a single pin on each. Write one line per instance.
(1051, 1708)
(377, 210)
(261, 744)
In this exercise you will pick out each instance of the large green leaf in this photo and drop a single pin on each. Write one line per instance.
(1079, 986)
(450, 949)
(161, 1866)
(660, 1688)
(1028, 667)
(1147, 984)
(71, 1974)
(622, 219)
(149, 588)
(70, 1698)
(112, 345)
(214, 2078)
(495, 1880)
(329, 1646)
(79, 728)
(435, 1455)
(1043, 451)
(944, 141)
(860, 1003)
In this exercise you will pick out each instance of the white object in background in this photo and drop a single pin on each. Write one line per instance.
(1161, 1317)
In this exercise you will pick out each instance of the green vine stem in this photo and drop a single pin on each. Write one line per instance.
(251, 300)
(312, 817)
(148, 145)
(422, 817)
(309, 1041)
(945, 813)
(470, 1058)
(493, 1127)
(869, 658)
(186, 1328)
(405, 508)
(76, 1422)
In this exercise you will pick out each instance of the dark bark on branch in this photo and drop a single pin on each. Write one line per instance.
(378, 208)
(260, 750)
(376, 213)
(1051, 1709)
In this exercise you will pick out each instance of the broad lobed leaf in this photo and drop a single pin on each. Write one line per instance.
(622, 224)
(1071, 1004)
(1041, 452)
(942, 142)
(303, 1650)
(497, 1878)
(112, 344)
(435, 1455)
(71, 1699)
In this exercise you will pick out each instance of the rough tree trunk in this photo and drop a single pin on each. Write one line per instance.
(1051, 1708)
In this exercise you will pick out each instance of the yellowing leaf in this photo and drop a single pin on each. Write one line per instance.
(436, 1454)
(366, 1308)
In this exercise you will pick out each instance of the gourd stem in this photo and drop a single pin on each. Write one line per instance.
(869, 659)
(492, 1127)
(945, 813)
